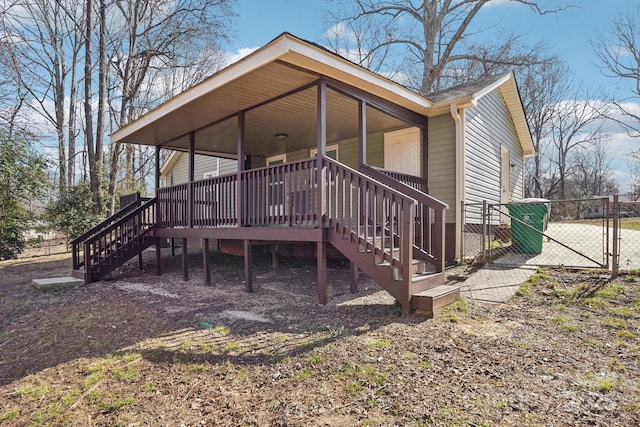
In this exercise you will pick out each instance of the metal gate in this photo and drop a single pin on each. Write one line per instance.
(570, 233)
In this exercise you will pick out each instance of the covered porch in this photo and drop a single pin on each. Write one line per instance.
(307, 129)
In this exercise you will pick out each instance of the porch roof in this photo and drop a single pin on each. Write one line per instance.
(284, 65)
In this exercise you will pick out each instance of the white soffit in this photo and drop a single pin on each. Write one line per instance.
(173, 117)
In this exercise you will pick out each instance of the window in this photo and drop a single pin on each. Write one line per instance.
(211, 174)
(332, 151)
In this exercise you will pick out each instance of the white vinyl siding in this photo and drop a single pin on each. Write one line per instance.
(442, 162)
(489, 132)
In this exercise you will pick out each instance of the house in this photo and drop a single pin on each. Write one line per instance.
(325, 152)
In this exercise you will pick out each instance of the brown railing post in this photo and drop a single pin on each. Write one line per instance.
(406, 252)
(438, 249)
(190, 204)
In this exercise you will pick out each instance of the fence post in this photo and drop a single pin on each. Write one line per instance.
(484, 232)
(616, 227)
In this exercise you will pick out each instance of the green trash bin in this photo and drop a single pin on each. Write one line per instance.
(529, 219)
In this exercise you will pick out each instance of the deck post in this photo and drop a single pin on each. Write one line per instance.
(173, 247)
(205, 262)
(241, 167)
(192, 163)
(185, 261)
(157, 160)
(321, 144)
(321, 258)
(248, 261)
(353, 278)
(158, 257)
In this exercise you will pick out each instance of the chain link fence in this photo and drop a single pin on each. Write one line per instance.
(577, 233)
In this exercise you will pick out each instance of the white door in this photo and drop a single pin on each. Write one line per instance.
(402, 151)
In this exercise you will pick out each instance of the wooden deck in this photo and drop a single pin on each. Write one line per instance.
(381, 221)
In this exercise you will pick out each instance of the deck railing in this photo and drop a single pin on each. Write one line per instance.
(99, 250)
(284, 194)
(77, 258)
(429, 215)
(416, 182)
(377, 215)
(385, 208)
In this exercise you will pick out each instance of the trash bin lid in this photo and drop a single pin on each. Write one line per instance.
(532, 200)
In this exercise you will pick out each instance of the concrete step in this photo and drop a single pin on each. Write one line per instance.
(429, 301)
(56, 282)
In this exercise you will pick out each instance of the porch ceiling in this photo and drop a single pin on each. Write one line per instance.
(283, 66)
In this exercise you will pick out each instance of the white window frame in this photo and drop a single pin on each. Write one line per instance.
(333, 147)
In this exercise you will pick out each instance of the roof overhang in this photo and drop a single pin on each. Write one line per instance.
(283, 66)
(508, 87)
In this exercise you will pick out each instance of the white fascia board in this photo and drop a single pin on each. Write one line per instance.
(234, 71)
(370, 81)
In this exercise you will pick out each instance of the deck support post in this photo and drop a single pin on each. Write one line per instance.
(205, 262)
(353, 278)
(185, 261)
(140, 261)
(321, 258)
(248, 261)
(173, 247)
(274, 256)
(158, 257)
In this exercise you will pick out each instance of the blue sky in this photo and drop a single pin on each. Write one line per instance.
(567, 34)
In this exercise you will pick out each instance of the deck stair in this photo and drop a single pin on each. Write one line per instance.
(378, 223)
(114, 241)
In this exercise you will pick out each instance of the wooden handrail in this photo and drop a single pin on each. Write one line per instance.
(142, 220)
(386, 177)
(430, 237)
(377, 216)
(96, 228)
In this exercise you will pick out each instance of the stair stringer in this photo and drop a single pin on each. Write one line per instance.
(381, 273)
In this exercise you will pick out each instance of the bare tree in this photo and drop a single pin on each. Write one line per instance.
(592, 173)
(154, 34)
(619, 53)
(44, 42)
(542, 87)
(575, 123)
(428, 35)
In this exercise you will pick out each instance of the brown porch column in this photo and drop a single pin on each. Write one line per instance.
(248, 261)
(321, 144)
(185, 261)
(205, 262)
(157, 159)
(362, 133)
(321, 259)
(241, 167)
(192, 163)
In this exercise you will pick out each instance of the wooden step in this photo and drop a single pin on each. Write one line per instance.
(429, 301)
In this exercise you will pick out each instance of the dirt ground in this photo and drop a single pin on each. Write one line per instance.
(138, 350)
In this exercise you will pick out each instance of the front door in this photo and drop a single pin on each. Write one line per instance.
(402, 151)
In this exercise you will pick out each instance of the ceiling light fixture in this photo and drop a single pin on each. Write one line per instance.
(281, 137)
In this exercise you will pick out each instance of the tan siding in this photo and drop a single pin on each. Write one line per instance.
(179, 174)
(228, 166)
(442, 162)
(489, 128)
